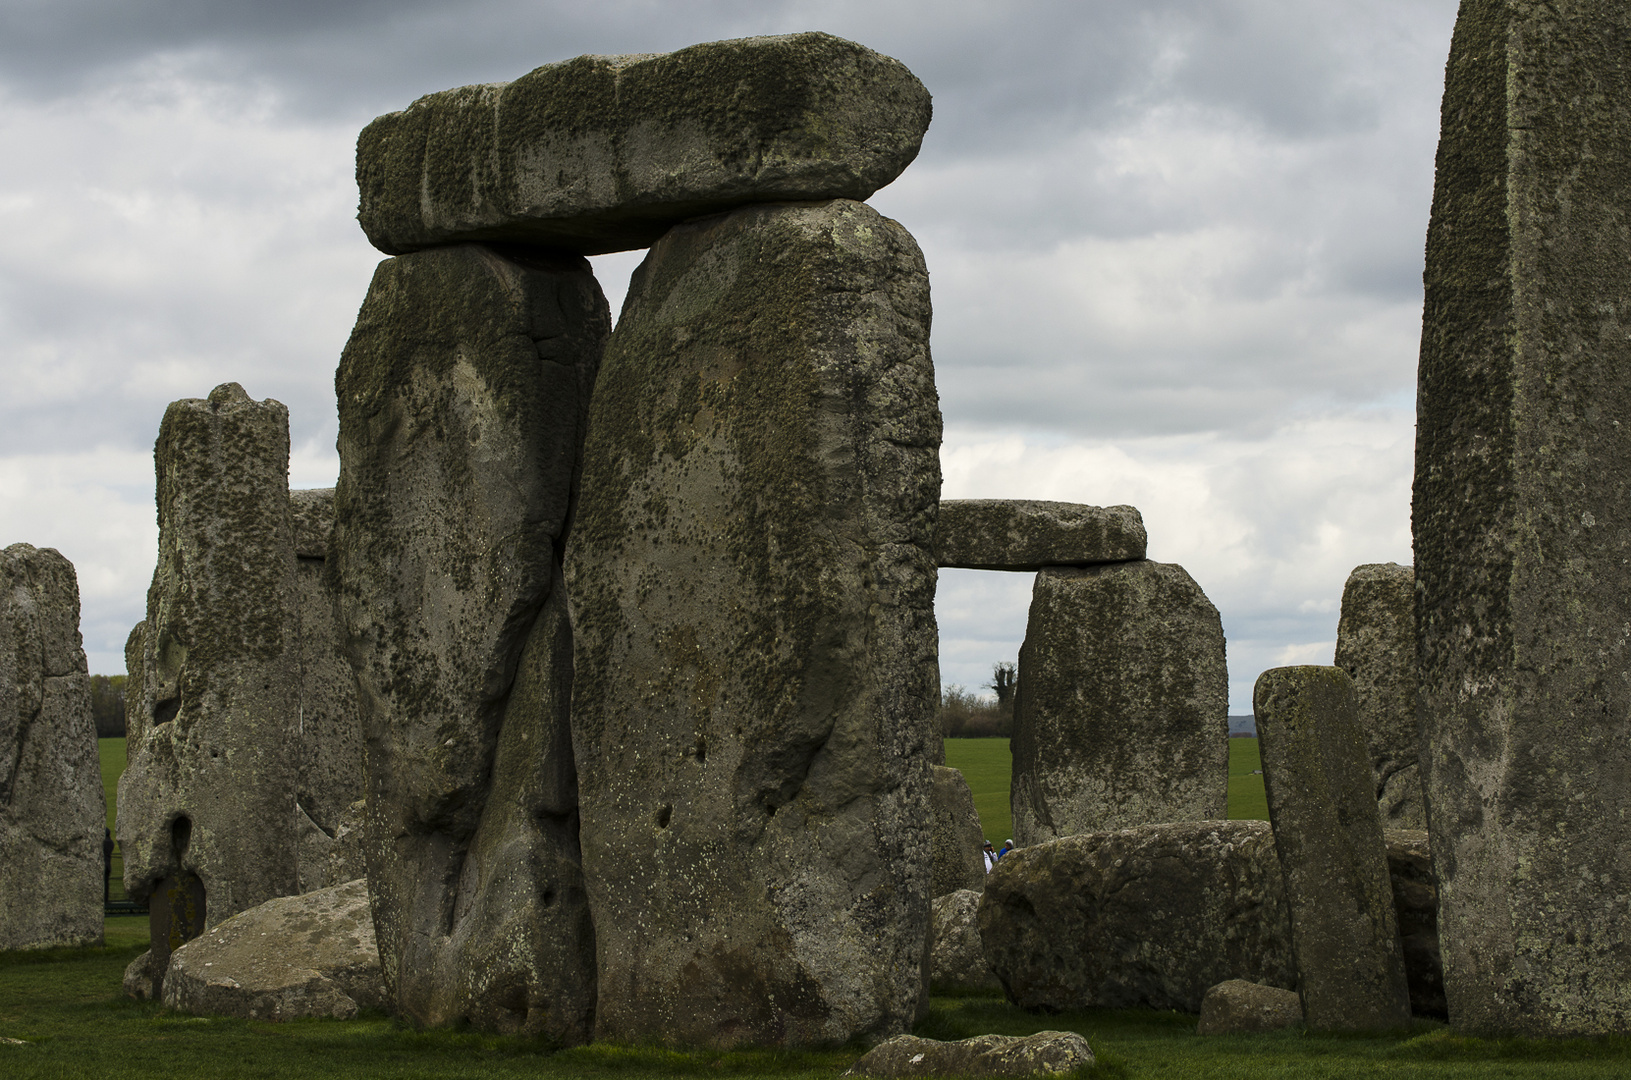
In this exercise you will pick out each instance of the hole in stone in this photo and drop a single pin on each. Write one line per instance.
(166, 710)
(548, 898)
(181, 834)
(664, 813)
(702, 749)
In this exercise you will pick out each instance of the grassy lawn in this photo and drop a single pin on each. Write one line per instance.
(1246, 799)
(65, 1008)
(112, 753)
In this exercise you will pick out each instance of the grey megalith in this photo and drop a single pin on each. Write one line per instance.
(463, 393)
(1522, 518)
(1028, 534)
(1121, 716)
(52, 810)
(752, 585)
(1376, 646)
(605, 153)
(1350, 970)
(955, 834)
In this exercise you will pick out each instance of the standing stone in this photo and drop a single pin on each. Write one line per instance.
(606, 153)
(1027, 534)
(1122, 712)
(1315, 772)
(955, 834)
(957, 960)
(463, 393)
(213, 712)
(1376, 646)
(752, 584)
(52, 808)
(1522, 519)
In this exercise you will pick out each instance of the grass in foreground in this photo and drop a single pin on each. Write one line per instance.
(64, 1006)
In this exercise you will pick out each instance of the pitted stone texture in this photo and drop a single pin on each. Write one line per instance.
(1238, 1007)
(310, 955)
(1415, 909)
(955, 833)
(1047, 1053)
(1023, 534)
(1150, 917)
(1376, 646)
(956, 954)
(51, 802)
(1122, 712)
(1522, 519)
(213, 705)
(1317, 777)
(752, 588)
(463, 394)
(606, 153)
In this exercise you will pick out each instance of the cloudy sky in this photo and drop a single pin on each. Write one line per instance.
(1175, 248)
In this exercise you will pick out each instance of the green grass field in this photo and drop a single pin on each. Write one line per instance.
(112, 753)
(987, 765)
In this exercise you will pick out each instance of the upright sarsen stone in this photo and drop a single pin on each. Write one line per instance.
(752, 583)
(1350, 970)
(955, 835)
(1522, 518)
(51, 803)
(462, 393)
(1121, 717)
(1376, 646)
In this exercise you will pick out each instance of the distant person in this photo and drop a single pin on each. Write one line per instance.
(990, 855)
(1007, 846)
(107, 865)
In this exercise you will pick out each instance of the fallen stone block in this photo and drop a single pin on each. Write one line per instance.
(1047, 1053)
(1238, 1007)
(1024, 534)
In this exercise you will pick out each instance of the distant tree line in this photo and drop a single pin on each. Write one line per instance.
(108, 705)
(965, 715)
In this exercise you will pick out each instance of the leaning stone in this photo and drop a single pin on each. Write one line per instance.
(463, 392)
(1150, 917)
(957, 955)
(752, 589)
(1238, 1007)
(1023, 534)
(955, 833)
(1521, 517)
(606, 153)
(1122, 712)
(1317, 778)
(1415, 909)
(1376, 646)
(297, 956)
(52, 810)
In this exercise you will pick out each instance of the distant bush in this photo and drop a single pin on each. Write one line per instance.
(966, 716)
(108, 705)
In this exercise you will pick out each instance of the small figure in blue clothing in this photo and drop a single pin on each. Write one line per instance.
(1007, 846)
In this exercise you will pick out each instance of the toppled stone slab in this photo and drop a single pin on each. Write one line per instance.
(1047, 1053)
(1151, 917)
(1028, 534)
(1121, 715)
(1238, 1007)
(1322, 805)
(1520, 518)
(1376, 646)
(956, 953)
(1415, 909)
(606, 153)
(955, 833)
(308, 955)
(463, 392)
(52, 810)
(756, 675)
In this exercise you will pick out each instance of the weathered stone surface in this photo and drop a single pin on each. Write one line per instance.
(956, 953)
(1238, 1007)
(1522, 519)
(1026, 534)
(309, 955)
(1122, 712)
(51, 803)
(1415, 909)
(142, 980)
(213, 700)
(1317, 777)
(606, 153)
(1376, 646)
(1147, 917)
(463, 393)
(955, 833)
(1047, 1053)
(752, 589)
